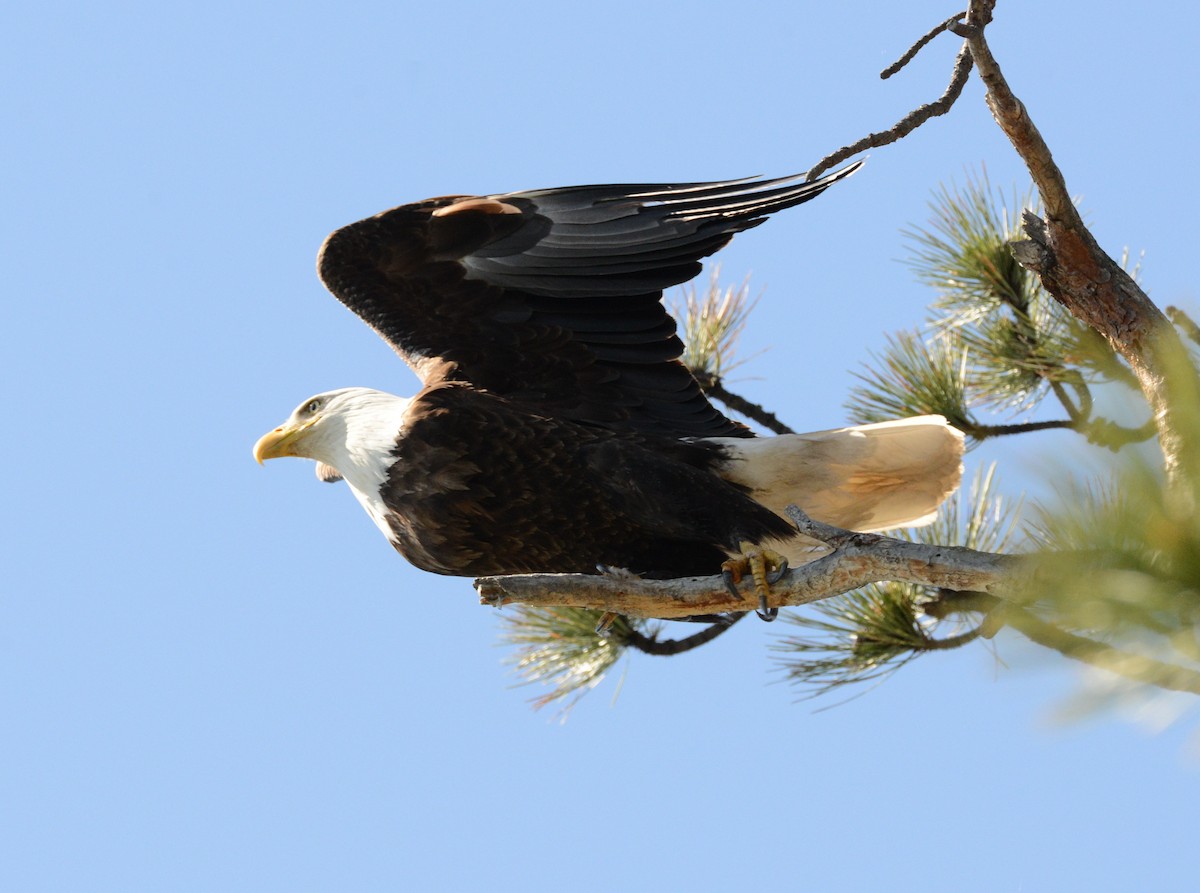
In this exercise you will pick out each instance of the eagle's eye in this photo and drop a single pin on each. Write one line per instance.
(312, 406)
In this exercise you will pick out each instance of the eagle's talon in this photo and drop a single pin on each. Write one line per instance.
(765, 566)
(765, 612)
(731, 581)
(777, 575)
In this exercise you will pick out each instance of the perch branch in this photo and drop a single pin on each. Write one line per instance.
(853, 561)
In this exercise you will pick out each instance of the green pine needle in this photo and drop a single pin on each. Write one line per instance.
(1017, 337)
(857, 637)
(561, 648)
(1127, 558)
(1011, 343)
(964, 255)
(911, 377)
(1125, 575)
(712, 324)
(870, 633)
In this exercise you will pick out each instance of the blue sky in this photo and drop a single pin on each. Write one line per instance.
(219, 677)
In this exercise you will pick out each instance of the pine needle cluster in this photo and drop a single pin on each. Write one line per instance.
(870, 633)
(711, 324)
(995, 341)
(1122, 575)
(564, 649)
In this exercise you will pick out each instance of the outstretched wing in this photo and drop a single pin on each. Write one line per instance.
(554, 296)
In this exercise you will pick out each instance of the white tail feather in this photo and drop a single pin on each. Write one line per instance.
(866, 478)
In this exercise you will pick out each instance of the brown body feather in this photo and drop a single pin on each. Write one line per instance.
(481, 485)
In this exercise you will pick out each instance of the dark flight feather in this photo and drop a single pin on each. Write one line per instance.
(552, 297)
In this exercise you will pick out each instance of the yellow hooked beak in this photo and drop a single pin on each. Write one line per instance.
(283, 441)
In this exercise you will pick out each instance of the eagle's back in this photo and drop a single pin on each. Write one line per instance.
(481, 486)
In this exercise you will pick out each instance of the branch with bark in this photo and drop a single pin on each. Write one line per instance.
(853, 561)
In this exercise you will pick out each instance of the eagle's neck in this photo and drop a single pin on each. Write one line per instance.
(363, 455)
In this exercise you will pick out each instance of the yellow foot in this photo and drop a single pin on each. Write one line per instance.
(764, 566)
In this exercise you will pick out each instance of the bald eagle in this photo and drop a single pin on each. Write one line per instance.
(557, 430)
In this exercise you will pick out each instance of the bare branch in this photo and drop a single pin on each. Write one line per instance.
(915, 118)
(670, 647)
(855, 560)
(715, 388)
(912, 51)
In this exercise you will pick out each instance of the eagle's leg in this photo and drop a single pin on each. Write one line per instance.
(765, 566)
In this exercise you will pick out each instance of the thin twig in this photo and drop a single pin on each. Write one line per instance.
(1076, 413)
(910, 122)
(912, 51)
(712, 386)
(1101, 432)
(670, 647)
(951, 642)
(981, 432)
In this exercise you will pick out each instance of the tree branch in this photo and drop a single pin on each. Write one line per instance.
(1124, 663)
(915, 118)
(912, 51)
(981, 432)
(1078, 273)
(1101, 432)
(670, 647)
(715, 388)
(854, 560)
(1099, 654)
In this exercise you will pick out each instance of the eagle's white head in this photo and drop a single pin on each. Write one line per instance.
(350, 433)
